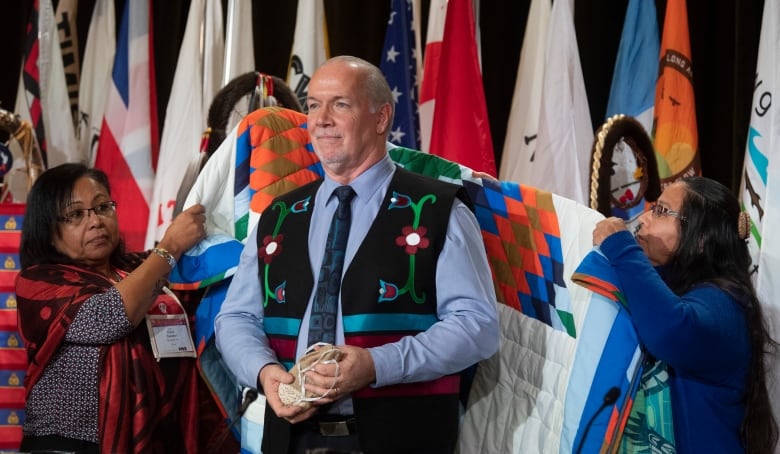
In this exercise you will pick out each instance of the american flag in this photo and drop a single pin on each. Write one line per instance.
(400, 68)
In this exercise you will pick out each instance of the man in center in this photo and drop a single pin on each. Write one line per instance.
(408, 300)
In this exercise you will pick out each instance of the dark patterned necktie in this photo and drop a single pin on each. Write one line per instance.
(322, 324)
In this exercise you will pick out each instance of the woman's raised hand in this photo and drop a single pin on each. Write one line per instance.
(186, 230)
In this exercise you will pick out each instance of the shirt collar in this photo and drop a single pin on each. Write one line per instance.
(366, 184)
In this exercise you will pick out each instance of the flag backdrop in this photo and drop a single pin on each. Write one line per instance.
(239, 52)
(66, 14)
(399, 65)
(239, 40)
(760, 186)
(60, 133)
(185, 120)
(437, 14)
(562, 157)
(461, 130)
(675, 136)
(310, 47)
(517, 160)
(42, 96)
(28, 97)
(99, 52)
(416, 15)
(633, 94)
(213, 51)
(636, 68)
(128, 140)
(213, 54)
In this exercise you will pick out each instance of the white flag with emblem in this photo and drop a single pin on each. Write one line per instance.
(517, 159)
(760, 186)
(562, 157)
(310, 46)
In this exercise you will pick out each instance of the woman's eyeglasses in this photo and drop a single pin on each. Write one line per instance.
(660, 210)
(76, 217)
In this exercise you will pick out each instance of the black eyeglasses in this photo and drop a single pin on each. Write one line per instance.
(660, 210)
(76, 217)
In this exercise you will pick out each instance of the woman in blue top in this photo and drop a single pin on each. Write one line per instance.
(687, 282)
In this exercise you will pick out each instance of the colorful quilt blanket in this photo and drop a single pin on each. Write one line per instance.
(640, 419)
(524, 399)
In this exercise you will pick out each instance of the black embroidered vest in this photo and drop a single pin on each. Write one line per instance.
(388, 291)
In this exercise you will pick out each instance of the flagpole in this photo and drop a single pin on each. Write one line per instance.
(229, 37)
(416, 22)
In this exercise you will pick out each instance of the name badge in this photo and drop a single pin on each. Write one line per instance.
(169, 328)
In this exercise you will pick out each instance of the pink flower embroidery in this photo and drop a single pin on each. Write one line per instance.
(413, 239)
(272, 246)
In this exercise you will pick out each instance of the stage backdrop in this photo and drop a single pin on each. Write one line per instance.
(724, 42)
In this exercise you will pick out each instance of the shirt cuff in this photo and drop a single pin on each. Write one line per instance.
(388, 365)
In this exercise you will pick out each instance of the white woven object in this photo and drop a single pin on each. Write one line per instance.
(295, 393)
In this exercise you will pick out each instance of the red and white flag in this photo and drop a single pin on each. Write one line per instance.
(96, 76)
(127, 147)
(437, 14)
(460, 130)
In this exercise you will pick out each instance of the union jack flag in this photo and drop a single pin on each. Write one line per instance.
(127, 148)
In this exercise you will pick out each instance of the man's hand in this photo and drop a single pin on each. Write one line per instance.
(354, 371)
(269, 378)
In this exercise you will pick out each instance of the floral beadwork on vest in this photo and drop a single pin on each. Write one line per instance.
(411, 239)
(272, 246)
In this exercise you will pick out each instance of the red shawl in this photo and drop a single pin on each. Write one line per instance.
(145, 405)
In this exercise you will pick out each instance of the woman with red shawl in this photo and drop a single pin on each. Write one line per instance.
(93, 383)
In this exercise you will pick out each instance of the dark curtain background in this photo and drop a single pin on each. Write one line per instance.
(724, 43)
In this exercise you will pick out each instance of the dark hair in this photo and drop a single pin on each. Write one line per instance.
(226, 99)
(48, 197)
(710, 250)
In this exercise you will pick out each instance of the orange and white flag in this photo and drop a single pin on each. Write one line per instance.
(675, 135)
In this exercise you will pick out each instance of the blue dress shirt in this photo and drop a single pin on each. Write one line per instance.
(466, 333)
